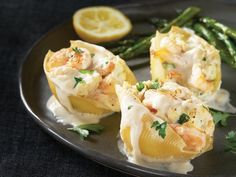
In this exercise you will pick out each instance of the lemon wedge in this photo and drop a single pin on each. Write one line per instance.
(100, 24)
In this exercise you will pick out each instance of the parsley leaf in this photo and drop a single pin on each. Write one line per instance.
(183, 118)
(140, 86)
(86, 71)
(129, 107)
(92, 55)
(154, 85)
(85, 129)
(83, 133)
(161, 128)
(168, 66)
(78, 80)
(219, 117)
(230, 145)
(77, 50)
(96, 128)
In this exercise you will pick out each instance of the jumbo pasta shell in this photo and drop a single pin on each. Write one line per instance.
(87, 104)
(142, 141)
(182, 56)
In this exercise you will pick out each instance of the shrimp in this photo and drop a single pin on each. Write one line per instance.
(72, 57)
(175, 75)
(106, 68)
(194, 139)
(199, 80)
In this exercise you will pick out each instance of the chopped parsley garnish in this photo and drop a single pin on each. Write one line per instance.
(84, 130)
(154, 85)
(220, 118)
(230, 145)
(129, 107)
(140, 86)
(92, 55)
(205, 107)
(106, 62)
(77, 50)
(204, 59)
(78, 80)
(168, 66)
(183, 118)
(86, 71)
(161, 128)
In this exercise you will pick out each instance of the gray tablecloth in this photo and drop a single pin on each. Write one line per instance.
(25, 150)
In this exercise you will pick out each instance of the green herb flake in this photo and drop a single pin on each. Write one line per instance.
(169, 66)
(86, 129)
(78, 80)
(230, 145)
(154, 85)
(204, 59)
(220, 118)
(92, 55)
(183, 118)
(161, 128)
(86, 71)
(140, 86)
(106, 62)
(129, 107)
(82, 132)
(77, 50)
(205, 107)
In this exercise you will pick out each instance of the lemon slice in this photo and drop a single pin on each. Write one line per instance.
(101, 24)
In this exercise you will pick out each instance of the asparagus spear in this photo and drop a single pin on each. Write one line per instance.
(158, 23)
(118, 50)
(183, 18)
(124, 45)
(210, 22)
(229, 44)
(114, 44)
(142, 46)
(210, 37)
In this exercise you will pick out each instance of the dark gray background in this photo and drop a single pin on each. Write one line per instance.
(25, 150)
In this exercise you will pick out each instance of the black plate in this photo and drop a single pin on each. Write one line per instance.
(103, 148)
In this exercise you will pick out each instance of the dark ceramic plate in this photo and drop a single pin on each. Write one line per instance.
(103, 148)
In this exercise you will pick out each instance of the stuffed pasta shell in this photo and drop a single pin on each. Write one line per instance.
(163, 123)
(83, 77)
(185, 58)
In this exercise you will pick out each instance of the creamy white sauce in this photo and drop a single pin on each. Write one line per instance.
(220, 101)
(66, 117)
(176, 167)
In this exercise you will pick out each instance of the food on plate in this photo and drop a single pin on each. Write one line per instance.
(183, 57)
(101, 24)
(143, 44)
(219, 35)
(164, 123)
(83, 78)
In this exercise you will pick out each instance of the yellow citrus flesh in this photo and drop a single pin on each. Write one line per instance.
(101, 24)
